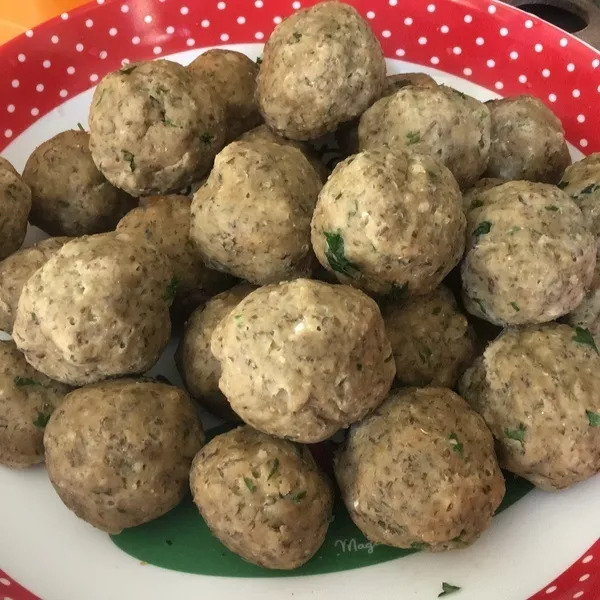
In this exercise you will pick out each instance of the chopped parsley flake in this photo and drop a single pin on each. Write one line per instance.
(297, 498)
(250, 484)
(589, 189)
(593, 418)
(480, 304)
(419, 545)
(483, 228)
(517, 434)
(563, 184)
(80, 127)
(42, 419)
(413, 137)
(448, 588)
(23, 381)
(238, 320)
(169, 123)
(515, 307)
(171, 291)
(514, 230)
(335, 255)
(456, 445)
(207, 138)
(274, 468)
(130, 158)
(259, 61)
(477, 203)
(584, 337)
(551, 207)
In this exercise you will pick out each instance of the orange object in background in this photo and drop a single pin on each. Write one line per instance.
(17, 16)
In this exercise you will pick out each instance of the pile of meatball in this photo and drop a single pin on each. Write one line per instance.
(435, 297)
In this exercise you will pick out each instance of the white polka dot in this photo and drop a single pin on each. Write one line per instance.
(21, 58)
(422, 40)
(545, 72)
(63, 93)
(46, 64)
(581, 119)
(157, 49)
(468, 19)
(54, 39)
(564, 42)
(35, 112)
(29, 33)
(480, 41)
(596, 63)
(551, 589)
(135, 40)
(529, 23)
(431, 8)
(258, 4)
(457, 50)
(538, 47)
(589, 557)
(6, 597)
(523, 78)
(552, 97)
(100, 1)
(503, 31)
(491, 63)
(148, 19)
(70, 70)
(184, 10)
(205, 23)
(221, 5)
(370, 15)
(577, 595)
(93, 77)
(514, 55)
(79, 47)
(587, 575)
(4, 581)
(408, 21)
(296, 5)
(224, 37)
(570, 67)
(576, 93)
(170, 30)
(468, 72)
(15, 83)
(435, 60)
(103, 54)
(400, 52)
(498, 85)
(64, 16)
(125, 61)
(191, 42)
(89, 23)
(112, 31)
(491, 9)
(8, 133)
(39, 87)
(393, 2)
(277, 20)
(11, 109)
(124, 8)
(259, 35)
(241, 20)
(386, 33)
(598, 90)
(444, 29)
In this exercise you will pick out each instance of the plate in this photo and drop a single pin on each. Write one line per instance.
(542, 546)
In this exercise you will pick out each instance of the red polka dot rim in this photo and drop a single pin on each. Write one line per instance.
(464, 42)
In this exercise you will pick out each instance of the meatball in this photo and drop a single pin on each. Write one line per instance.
(303, 359)
(264, 498)
(389, 222)
(581, 181)
(252, 217)
(538, 389)
(164, 221)
(452, 127)
(231, 77)
(471, 197)
(27, 399)
(199, 369)
(421, 472)
(528, 141)
(154, 129)
(15, 204)
(6, 165)
(16, 270)
(530, 257)
(118, 453)
(587, 314)
(321, 66)
(69, 195)
(431, 339)
(98, 308)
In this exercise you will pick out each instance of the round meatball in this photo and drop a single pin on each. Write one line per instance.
(118, 453)
(388, 221)
(199, 369)
(164, 221)
(431, 339)
(538, 389)
(252, 217)
(264, 498)
(231, 77)
(452, 127)
(69, 195)
(16, 270)
(528, 141)
(581, 181)
(321, 66)
(15, 204)
(303, 359)
(421, 472)
(154, 129)
(530, 258)
(98, 308)
(471, 197)
(27, 399)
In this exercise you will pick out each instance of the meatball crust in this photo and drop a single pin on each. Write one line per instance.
(198, 368)
(98, 308)
(421, 472)
(16, 270)
(538, 389)
(263, 497)
(231, 77)
(471, 197)
(528, 141)
(303, 359)
(431, 339)
(387, 220)
(154, 129)
(164, 221)
(15, 204)
(118, 453)
(69, 195)
(452, 127)
(587, 313)
(343, 71)
(252, 217)
(27, 399)
(530, 258)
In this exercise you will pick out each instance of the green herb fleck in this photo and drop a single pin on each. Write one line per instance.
(80, 127)
(274, 468)
(335, 255)
(259, 61)
(514, 230)
(239, 320)
(517, 434)
(477, 203)
(480, 304)
(250, 484)
(515, 307)
(419, 545)
(413, 137)
(42, 419)
(207, 138)
(297, 498)
(171, 291)
(126, 69)
(23, 381)
(458, 539)
(464, 96)
(593, 418)
(456, 445)
(483, 228)
(448, 588)
(584, 337)
(563, 184)
(169, 123)
(551, 207)
(589, 189)
(130, 158)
